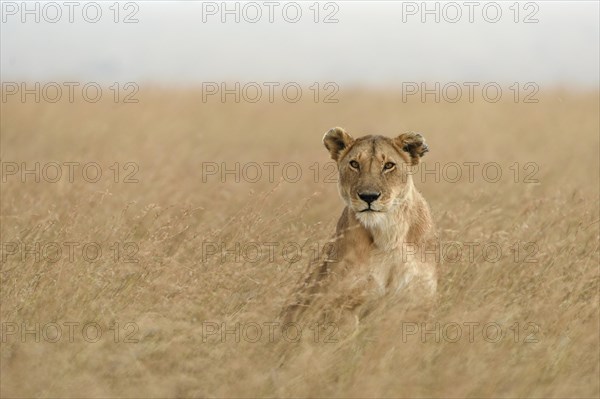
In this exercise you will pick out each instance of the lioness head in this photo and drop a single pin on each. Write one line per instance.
(374, 171)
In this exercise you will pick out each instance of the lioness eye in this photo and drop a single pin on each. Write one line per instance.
(354, 164)
(388, 165)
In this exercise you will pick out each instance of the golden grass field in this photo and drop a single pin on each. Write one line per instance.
(540, 293)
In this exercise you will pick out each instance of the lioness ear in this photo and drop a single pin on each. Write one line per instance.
(336, 140)
(414, 144)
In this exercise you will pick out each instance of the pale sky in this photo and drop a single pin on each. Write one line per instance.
(372, 43)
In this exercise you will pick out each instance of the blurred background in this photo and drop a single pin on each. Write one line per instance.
(351, 42)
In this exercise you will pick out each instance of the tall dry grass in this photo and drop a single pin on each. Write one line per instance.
(543, 297)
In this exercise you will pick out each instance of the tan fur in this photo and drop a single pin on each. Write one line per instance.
(374, 253)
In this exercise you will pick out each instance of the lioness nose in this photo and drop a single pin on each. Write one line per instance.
(368, 197)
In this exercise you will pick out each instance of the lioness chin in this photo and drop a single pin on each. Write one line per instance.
(376, 250)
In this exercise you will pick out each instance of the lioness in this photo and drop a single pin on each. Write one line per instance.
(377, 248)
